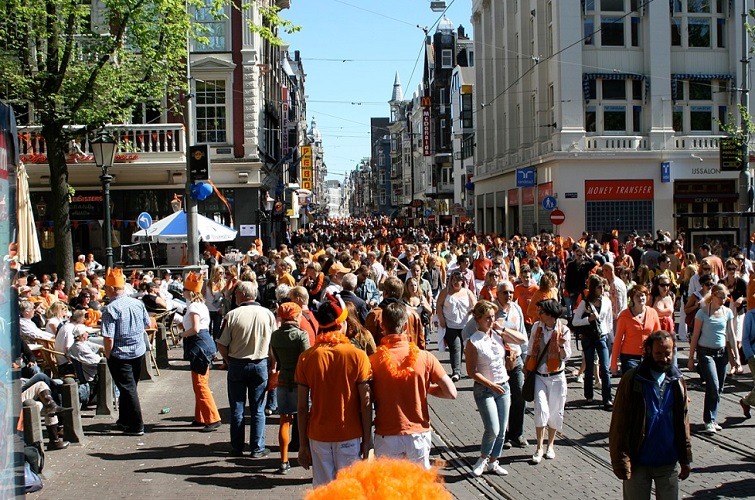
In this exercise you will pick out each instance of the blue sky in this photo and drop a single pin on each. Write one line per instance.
(376, 38)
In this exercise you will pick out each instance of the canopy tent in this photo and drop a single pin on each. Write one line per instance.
(172, 229)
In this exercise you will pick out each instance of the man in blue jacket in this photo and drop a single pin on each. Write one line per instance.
(649, 432)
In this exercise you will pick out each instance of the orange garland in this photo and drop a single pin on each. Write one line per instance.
(390, 363)
(331, 338)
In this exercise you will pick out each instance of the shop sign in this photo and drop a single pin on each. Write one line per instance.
(666, 171)
(528, 196)
(525, 177)
(614, 190)
(544, 191)
(513, 197)
(426, 131)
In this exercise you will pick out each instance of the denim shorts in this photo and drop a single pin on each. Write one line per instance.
(288, 399)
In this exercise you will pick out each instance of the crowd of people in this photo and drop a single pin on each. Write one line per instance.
(343, 314)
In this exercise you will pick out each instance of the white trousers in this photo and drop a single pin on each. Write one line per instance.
(550, 398)
(329, 458)
(412, 447)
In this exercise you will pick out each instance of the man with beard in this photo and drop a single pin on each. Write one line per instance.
(649, 431)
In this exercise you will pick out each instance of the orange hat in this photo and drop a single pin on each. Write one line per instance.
(193, 282)
(288, 311)
(114, 277)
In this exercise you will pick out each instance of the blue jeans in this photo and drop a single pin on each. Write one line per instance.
(589, 346)
(569, 300)
(494, 410)
(247, 377)
(629, 361)
(713, 364)
(515, 429)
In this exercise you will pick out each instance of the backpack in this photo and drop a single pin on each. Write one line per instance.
(34, 463)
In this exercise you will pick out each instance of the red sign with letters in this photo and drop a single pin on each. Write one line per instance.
(528, 196)
(513, 197)
(614, 190)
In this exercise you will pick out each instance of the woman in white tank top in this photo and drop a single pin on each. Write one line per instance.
(454, 305)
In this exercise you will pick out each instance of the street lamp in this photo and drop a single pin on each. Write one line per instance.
(104, 148)
(264, 216)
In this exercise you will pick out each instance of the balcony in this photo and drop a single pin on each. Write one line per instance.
(616, 143)
(153, 143)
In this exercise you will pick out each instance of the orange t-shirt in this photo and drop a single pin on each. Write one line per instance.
(539, 295)
(332, 374)
(401, 403)
(286, 279)
(631, 334)
(309, 324)
(523, 296)
(481, 268)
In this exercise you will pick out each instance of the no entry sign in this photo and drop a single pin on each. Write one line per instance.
(557, 217)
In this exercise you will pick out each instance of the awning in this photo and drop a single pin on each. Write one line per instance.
(587, 77)
(700, 77)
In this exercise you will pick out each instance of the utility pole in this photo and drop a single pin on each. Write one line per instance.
(744, 174)
(192, 241)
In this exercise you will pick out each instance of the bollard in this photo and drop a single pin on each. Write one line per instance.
(32, 423)
(162, 347)
(72, 429)
(105, 406)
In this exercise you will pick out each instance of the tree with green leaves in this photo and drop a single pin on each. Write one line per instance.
(88, 62)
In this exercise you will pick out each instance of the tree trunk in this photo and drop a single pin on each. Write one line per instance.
(57, 144)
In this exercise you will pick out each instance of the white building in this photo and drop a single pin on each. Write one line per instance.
(614, 105)
(334, 194)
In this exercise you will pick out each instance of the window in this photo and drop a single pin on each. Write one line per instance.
(622, 215)
(211, 111)
(446, 58)
(615, 27)
(213, 26)
(147, 112)
(467, 146)
(617, 107)
(697, 105)
(695, 25)
(466, 111)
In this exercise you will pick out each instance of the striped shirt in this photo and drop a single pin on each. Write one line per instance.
(124, 320)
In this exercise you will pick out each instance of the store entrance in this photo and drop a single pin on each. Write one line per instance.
(695, 200)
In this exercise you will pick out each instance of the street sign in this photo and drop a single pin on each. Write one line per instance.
(549, 203)
(431, 219)
(665, 171)
(144, 220)
(557, 217)
(525, 177)
(571, 195)
(199, 162)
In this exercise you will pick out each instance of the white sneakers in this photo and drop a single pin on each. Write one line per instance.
(497, 469)
(480, 466)
(710, 428)
(484, 464)
(537, 457)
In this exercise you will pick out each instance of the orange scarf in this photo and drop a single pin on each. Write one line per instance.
(553, 357)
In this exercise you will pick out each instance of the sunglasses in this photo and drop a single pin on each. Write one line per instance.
(507, 292)
(664, 285)
(707, 284)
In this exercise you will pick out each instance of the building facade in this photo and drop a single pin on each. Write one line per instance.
(612, 107)
(248, 105)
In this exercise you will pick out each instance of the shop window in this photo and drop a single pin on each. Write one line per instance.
(603, 216)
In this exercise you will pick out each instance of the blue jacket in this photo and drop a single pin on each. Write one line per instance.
(645, 430)
(748, 335)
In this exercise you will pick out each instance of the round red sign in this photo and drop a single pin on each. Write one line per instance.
(557, 217)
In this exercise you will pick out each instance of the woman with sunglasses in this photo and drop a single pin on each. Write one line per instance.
(713, 336)
(737, 300)
(662, 300)
(695, 282)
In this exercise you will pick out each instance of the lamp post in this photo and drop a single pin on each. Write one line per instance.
(104, 148)
(264, 217)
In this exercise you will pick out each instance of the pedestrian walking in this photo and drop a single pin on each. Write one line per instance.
(552, 337)
(403, 376)
(245, 344)
(200, 349)
(123, 330)
(649, 433)
(485, 356)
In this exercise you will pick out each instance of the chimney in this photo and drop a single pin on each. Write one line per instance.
(296, 55)
(460, 32)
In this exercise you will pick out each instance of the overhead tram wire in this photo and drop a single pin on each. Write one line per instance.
(538, 61)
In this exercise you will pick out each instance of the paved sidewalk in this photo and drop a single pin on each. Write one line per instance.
(723, 465)
(174, 460)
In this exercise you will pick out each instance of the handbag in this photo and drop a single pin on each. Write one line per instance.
(528, 388)
(591, 330)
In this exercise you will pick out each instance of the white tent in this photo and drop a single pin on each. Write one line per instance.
(172, 229)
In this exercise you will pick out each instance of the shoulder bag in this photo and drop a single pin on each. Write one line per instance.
(591, 330)
(528, 388)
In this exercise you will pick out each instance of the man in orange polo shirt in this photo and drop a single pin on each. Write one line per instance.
(481, 266)
(402, 377)
(336, 374)
(523, 293)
